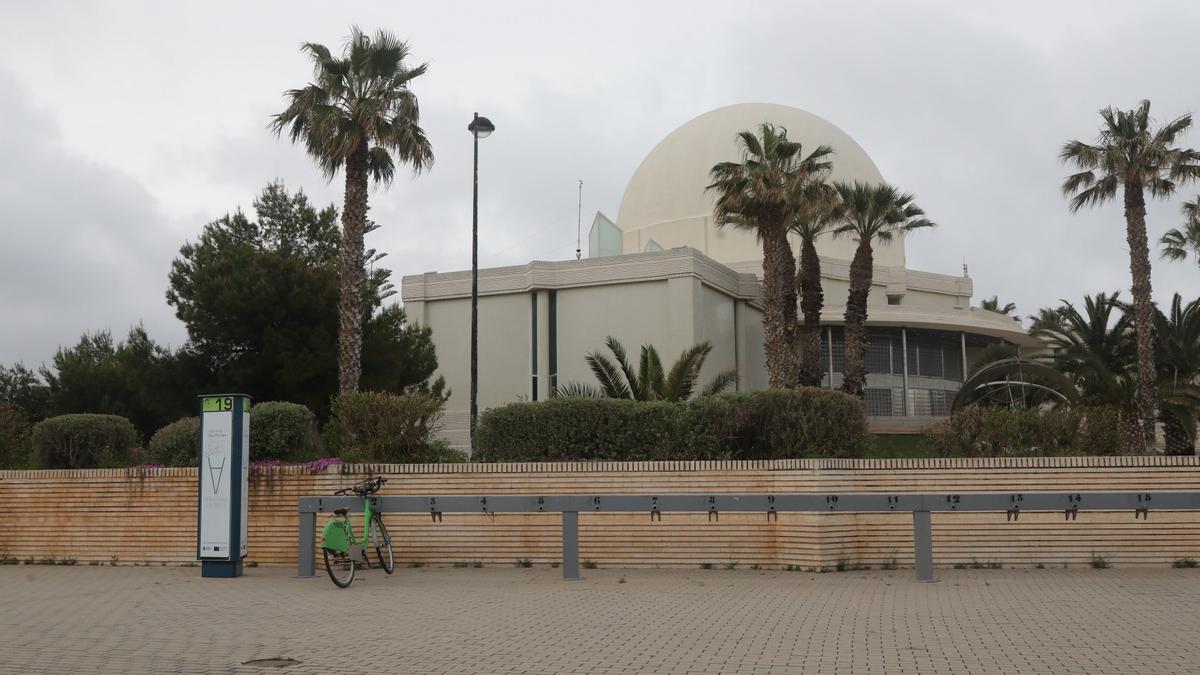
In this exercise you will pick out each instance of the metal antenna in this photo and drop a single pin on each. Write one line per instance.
(579, 224)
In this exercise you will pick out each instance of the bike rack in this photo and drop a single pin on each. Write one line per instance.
(921, 505)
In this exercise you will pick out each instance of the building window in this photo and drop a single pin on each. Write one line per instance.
(894, 299)
(879, 354)
(878, 402)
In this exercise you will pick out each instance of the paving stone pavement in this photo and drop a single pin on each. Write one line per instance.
(165, 620)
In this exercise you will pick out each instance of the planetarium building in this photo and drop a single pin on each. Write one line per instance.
(663, 273)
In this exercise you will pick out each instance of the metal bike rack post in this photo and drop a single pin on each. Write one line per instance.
(923, 545)
(305, 565)
(570, 545)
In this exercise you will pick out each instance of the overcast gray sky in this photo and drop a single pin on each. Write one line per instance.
(125, 127)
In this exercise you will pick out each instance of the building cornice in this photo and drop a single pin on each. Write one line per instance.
(738, 281)
(562, 274)
(971, 320)
(896, 280)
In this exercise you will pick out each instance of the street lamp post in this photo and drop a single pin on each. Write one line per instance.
(480, 127)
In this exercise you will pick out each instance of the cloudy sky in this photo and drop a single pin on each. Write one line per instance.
(125, 127)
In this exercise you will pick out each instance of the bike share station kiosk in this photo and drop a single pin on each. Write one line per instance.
(222, 503)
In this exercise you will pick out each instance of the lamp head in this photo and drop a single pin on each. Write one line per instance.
(481, 127)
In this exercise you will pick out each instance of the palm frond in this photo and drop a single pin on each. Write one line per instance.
(609, 376)
(635, 387)
(681, 380)
(720, 382)
(650, 374)
(576, 390)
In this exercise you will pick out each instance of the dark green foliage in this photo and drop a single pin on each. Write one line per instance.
(14, 437)
(21, 387)
(650, 382)
(756, 425)
(1096, 348)
(135, 378)
(84, 441)
(383, 427)
(996, 432)
(284, 431)
(399, 356)
(571, 429)
(260, 302)
(992, 304)
(176, 444)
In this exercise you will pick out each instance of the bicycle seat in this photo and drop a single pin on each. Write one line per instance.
(340, 512)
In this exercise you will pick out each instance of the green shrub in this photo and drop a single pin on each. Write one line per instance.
(176, 444)
(782, 424)
(752, 425)
(284, 431)
(14, 437)
(981, 431)
(572, 429)
(383, 427)
(84, 441)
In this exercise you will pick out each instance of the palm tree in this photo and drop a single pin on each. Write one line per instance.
(757, 194)
(1092, 346)
(1177, 244)
(992, 304)
(1129, 153)
(360, 113)
(870, 213)
(1097, 349)
(1177, 347)
(649, 382)
(815, 213)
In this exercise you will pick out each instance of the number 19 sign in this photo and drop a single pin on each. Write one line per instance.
(224, 482)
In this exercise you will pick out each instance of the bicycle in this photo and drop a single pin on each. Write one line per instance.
(343, 551)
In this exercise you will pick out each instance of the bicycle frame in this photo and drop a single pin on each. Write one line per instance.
(338, 535)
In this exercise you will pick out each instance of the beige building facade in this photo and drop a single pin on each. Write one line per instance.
(665, 274)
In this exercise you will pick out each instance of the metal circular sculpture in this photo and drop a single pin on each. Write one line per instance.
(1016, 383)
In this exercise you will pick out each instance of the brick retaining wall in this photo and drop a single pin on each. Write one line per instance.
(132, 516)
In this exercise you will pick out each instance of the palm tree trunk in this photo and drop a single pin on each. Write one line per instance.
(1143, 311)
(779, 310)
(812, 299)
(1129, 429)
(1176, 436)
(351, 274)
(862, 268)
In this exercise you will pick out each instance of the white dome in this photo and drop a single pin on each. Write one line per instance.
(666, 202)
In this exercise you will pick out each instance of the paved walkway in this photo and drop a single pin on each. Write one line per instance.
(154, 620)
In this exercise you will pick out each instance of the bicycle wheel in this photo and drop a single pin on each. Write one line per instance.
(340, 568)
(383, 544)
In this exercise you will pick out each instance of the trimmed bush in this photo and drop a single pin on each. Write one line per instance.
(383, 427)
(14, 437)
(752, 425)
(981, 431)
(284, 431)
(176, 444)
(782, 424)
(84, 441)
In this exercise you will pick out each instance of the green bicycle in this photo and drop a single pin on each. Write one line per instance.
(343, 551)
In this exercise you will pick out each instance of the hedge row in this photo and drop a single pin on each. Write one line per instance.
(365, 427)
(15, 431)
(750, 425)
(84, 441)
(998, 432)
(381, 427)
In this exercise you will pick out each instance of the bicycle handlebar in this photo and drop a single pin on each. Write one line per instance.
(367, 487)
